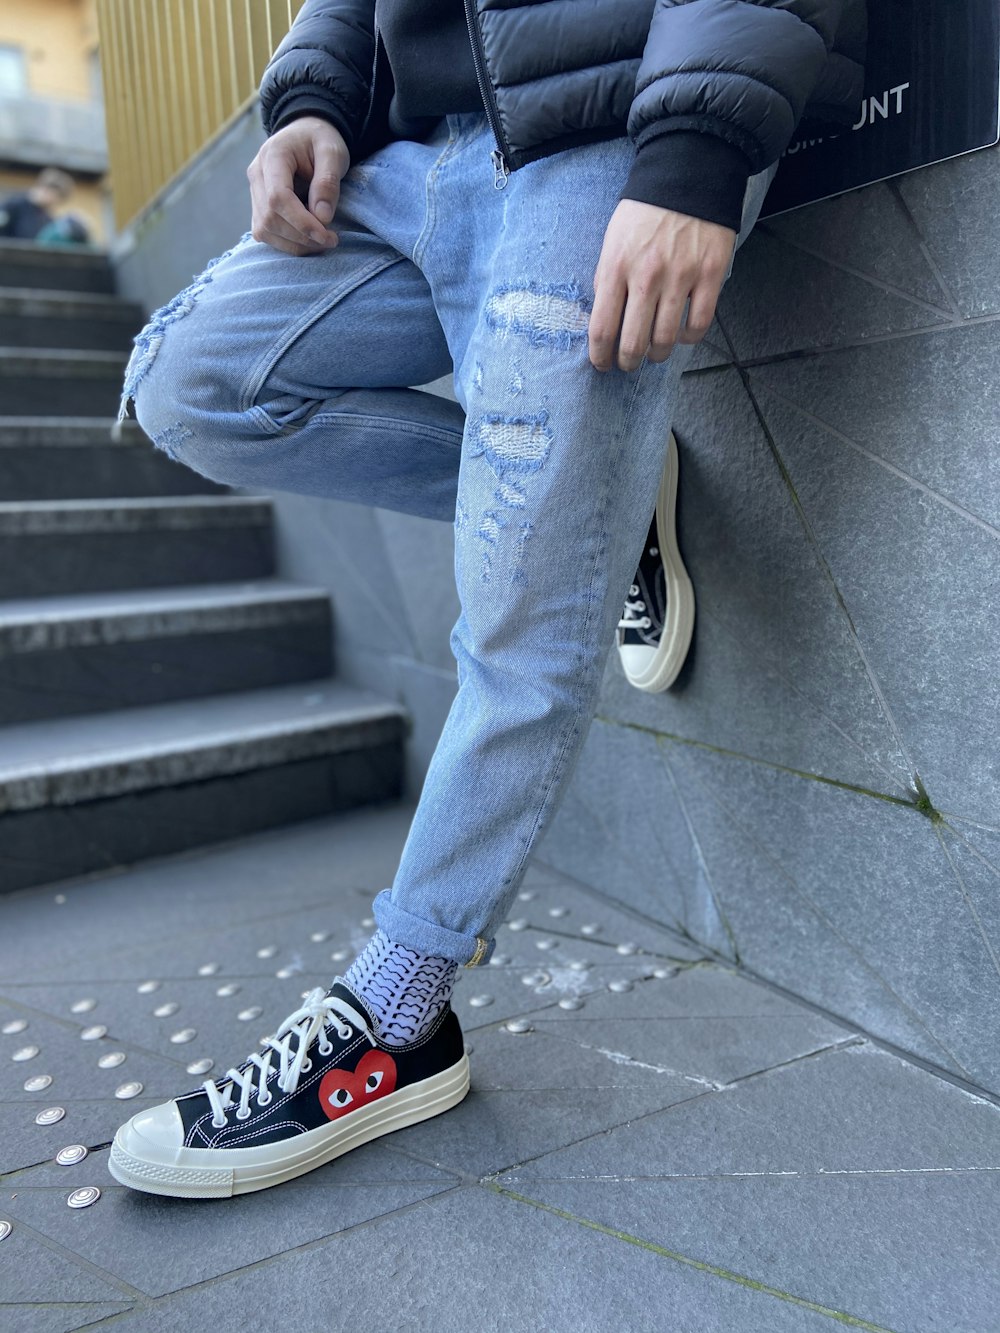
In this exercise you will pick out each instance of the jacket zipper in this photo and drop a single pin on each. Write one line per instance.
(498, 157)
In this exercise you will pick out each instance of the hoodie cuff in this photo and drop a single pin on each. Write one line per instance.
(297, 105)
(691, 172)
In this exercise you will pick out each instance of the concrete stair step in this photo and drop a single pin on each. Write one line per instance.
(76, 458)
(94, 321)
(59, 382)
(92, 793)
(49, 547)
(97, 652)
(80, 269)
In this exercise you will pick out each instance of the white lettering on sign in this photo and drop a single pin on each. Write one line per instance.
(875, 108)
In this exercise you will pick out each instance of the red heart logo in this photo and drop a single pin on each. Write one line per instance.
(344, 1090)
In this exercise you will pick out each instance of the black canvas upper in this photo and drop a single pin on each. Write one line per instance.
(355, 1073)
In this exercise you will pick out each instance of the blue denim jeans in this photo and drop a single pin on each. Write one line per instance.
(291, 374)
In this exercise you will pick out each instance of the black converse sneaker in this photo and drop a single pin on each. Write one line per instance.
(322, 1085)
(655, 630)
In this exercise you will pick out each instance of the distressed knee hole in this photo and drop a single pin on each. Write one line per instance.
(545, 314)
(147, 342)
(171, 438)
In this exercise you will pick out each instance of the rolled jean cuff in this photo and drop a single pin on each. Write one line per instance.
(413, 932)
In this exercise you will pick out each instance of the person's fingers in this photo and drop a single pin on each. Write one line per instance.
(277, 209)
(324, 188)
(701, 311)
(605, 319)
(664, 333)
(637, 324)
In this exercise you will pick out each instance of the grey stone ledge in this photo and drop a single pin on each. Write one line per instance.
(61, 364)
(41, 256)
(91, 758)
(58, 432)
(74, 305)
(160, 513)
(45, 624)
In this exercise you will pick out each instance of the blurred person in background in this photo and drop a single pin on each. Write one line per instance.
(25, 215)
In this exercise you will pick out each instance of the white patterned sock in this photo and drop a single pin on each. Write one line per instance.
(405, 990)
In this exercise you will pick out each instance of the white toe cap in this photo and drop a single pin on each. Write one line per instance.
(161, 1127)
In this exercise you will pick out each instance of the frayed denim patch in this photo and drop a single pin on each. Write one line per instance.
(545, 314)
(147, 342)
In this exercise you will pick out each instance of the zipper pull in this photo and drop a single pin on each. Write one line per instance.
(500, 169)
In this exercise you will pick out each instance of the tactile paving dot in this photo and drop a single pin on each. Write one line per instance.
(111, 1060)
(183, 1036)
(126, 1090)
(284, 973)
(268, 951)
(50, 1116)
(499, 960)
(165, 1010)
(527, 895)
(546, 944)
(200, 1066)
(5, 1229)
(626, 949)
(590, 929)
(480, 1001)
(94, 1033)
(368, 922)
(579, 965)
(26, 1053)
(147, 987)
(558, 911)
(83, 1006)
(339, 956)
(71, 1154)
(664, 973)
(15, 1025)
(38, 1083)
(536, 979)
(230, 988)
(620, 987)
(320, 936)
(571, 1002)
(518, 1026)
(518, 923)
(247, 1015)
(83, 1198)
(208, 969)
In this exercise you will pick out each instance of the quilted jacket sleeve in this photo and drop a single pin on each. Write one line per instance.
(323, 67)
(720, 89)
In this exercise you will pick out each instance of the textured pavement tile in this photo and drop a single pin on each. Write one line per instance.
(475, 1260)
(775, 671)
(920, 583)
(512, 991)
(808, 303)
(854, 1109)
(55, 1318)
(916, 403)
(962, 247)
(32, 1273)
(806, 870)
(915, 1252)
(865, 230)
(172, 1243)
(116, 925)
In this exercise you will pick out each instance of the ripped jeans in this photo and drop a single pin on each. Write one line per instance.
(281, 373)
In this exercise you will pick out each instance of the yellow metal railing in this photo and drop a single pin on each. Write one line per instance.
(175, 73)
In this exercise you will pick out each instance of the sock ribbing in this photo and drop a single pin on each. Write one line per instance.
(406, 990)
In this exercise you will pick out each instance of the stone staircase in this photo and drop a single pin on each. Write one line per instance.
(160, 688)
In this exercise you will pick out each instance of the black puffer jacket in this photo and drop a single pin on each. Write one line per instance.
(559, 72)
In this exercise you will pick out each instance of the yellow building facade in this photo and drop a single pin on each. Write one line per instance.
(51, 111)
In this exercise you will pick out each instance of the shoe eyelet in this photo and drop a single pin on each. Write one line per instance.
(325, 1050)
(218, 1124)
(306, 1066)
(646, 623)
(240, 1114)
(265, 1101)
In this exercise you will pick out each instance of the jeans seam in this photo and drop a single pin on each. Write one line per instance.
(269, 359)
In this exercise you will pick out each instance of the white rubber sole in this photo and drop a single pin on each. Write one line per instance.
(678, 627)
(218, 1173)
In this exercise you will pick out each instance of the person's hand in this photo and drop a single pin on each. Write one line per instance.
(652, 261)
(309, 152)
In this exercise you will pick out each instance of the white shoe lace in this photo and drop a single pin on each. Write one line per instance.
(633, 617)
(317, 1013)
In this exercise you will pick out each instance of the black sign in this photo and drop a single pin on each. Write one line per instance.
(932, 76)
